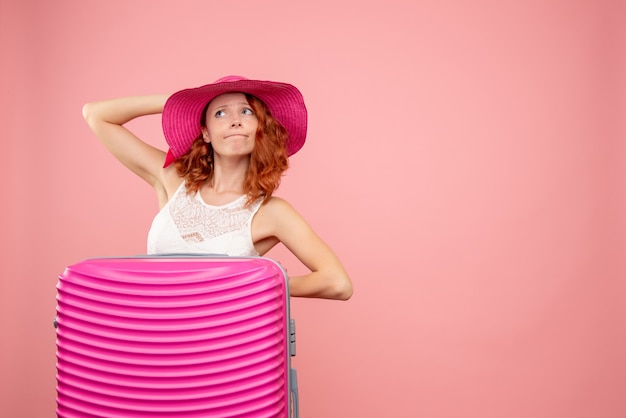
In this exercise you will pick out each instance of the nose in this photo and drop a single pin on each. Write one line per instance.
(235, 122)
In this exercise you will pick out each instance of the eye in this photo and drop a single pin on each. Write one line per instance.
(219, 113)
(248, 111)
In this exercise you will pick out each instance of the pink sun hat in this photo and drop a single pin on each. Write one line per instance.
(183, 110)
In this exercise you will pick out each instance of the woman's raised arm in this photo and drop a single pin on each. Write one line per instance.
(107, 118)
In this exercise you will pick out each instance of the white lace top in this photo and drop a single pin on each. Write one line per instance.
(186, 224)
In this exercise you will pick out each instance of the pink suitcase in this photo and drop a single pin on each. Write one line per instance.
(175, 336)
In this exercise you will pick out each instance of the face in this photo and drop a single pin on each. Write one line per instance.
(230, 125)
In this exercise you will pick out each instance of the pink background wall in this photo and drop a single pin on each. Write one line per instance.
(465, 159)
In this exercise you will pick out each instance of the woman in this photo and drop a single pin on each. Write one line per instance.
(228, 147)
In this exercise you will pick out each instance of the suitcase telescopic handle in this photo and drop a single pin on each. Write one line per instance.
(294, 393)
(192, 255)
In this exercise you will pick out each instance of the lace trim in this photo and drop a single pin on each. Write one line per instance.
(197, 222)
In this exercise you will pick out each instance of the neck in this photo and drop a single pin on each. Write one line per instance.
(229, 174)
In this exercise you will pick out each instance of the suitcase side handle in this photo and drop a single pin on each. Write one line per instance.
(292, 337)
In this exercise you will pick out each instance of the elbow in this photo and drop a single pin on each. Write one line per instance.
(87, 111)
(342, 289)
(344, 294)
(337, 287)
(92, 114)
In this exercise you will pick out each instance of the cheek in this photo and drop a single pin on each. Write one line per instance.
(214, 126)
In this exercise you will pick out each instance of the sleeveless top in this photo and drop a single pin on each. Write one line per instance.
(186, 224)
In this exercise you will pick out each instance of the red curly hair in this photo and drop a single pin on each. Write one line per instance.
(268, 160)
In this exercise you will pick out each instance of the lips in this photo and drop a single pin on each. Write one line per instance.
(233, 136)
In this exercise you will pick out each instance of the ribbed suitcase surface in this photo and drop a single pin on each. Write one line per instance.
(174, 337)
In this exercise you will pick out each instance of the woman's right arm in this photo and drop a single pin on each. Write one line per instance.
(107, 118)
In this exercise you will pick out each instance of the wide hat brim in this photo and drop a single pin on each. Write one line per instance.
(183, 110)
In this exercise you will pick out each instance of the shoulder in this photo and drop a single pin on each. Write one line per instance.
(276, 215)
(279, 209)
(277, 204)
